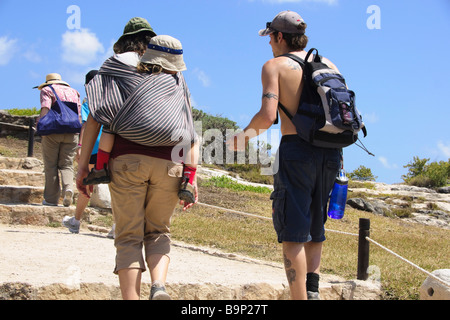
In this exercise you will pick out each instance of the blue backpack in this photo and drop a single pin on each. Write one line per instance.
(327, 116)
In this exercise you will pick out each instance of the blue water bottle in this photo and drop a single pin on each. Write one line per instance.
(338, 198)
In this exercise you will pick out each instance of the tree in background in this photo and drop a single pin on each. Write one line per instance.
(422, 174)
(214, 133)
(362, 173)
(415, 168)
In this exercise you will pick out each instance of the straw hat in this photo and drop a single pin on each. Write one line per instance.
(165, 51)
(52, 78)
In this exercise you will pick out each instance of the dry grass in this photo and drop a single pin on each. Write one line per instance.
(427, 247)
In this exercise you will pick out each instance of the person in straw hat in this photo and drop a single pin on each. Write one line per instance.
(58, 149)
(146, 115)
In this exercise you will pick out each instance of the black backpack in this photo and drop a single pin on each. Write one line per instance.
(327, 116)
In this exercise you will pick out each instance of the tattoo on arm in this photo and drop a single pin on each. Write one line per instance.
(270, 95)
(290, 273)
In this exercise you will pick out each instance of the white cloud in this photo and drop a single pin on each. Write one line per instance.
(384, 161)
(109, 52)
(202, 77)
(32, 56)
(75, 77)
(81, 47)
(8, 48)
(445, 149)
(370, 117)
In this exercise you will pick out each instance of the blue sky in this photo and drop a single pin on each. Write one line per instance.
(393, 58)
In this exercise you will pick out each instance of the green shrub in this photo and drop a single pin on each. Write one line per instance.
(438, 173)
(24, 112)
(420, 181)
(422, 174)
(362, 173)
(227, 182)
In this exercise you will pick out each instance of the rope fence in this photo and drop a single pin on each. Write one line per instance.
(363, 255)
(409, 262)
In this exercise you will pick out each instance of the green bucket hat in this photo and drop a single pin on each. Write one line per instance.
(137, 25)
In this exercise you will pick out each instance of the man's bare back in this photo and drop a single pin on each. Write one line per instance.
(289, 75)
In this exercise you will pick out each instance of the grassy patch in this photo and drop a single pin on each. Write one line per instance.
(24, 112)
(227, 182)
(361, 184)
(6, 152)
(103, 221)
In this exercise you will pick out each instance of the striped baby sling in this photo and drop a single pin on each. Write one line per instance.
(148, 109)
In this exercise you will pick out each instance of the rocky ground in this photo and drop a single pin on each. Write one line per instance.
(420, 205)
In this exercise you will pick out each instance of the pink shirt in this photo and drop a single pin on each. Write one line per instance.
(64, 93)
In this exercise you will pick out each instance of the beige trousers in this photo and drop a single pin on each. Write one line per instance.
(58, 154)
(144, 194)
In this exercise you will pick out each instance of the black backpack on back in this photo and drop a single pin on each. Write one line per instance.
(327, 116)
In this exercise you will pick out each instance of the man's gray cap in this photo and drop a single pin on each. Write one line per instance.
(285, 22)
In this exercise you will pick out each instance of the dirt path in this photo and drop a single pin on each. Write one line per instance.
(42, 256)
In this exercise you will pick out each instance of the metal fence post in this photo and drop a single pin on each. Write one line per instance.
(363, 249)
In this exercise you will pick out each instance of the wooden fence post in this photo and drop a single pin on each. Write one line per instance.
(363, 249)
(31, 138)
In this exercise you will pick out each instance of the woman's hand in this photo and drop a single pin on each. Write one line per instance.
(187, 206)
(81, 175)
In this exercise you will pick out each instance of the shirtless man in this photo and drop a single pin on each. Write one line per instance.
(305, 173)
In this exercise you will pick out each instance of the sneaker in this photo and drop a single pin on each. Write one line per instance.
(313, 295)
(45, 203)
(158, 292)
(112, 233)
(72, 223)
(186, 192)
(97, 177)
(68, 198)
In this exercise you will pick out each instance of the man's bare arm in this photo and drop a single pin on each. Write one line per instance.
(270, 95)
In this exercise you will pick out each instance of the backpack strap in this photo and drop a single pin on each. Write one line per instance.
(280, 105)
(296, 58)
(317, 57)
(302, 64)
(54, 92)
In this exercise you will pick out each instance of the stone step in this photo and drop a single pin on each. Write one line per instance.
(21, 163)
(11, 194)
(177, 291)
(21, 194)
(21, 178)
(256, 291)
(34, 215)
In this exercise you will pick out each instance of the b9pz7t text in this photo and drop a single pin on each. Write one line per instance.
(248, 309)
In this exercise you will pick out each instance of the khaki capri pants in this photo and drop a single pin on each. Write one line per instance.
(144, 194)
